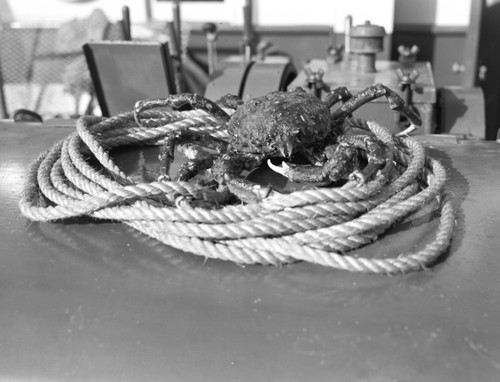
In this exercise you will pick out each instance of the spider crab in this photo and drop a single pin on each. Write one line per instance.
(280, 125)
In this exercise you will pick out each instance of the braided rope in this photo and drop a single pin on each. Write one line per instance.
(322, 225)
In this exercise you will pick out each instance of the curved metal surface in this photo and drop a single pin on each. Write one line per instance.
(98, 301)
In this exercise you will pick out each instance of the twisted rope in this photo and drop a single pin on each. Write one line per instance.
(78, 177)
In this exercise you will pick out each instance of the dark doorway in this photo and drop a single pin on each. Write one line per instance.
(489, 60)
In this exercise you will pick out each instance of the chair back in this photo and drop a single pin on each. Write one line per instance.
(124, 72)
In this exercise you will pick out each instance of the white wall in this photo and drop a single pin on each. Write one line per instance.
(57, 11)
(452, 12)
(266, 12)
(325, 12)
(433, 12)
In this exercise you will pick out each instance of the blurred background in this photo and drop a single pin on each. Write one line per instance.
(43, 68)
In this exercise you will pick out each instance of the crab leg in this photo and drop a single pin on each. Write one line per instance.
(373, 92)
(341, 161)
(229, 101)
(336, 95)
(197, 160)
(248, 191)
(176, 101)
(375, 155)
(227, 169)
(166, 158)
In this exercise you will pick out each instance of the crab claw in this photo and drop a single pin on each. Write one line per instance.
(301, 173)
(284, 169)
(406, 132)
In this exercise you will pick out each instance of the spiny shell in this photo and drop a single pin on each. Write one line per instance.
(279, 123)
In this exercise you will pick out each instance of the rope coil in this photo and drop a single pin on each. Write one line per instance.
(78, 177)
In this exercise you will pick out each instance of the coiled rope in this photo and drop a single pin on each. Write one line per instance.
(77, 177)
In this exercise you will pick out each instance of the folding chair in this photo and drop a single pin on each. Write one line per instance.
(125, 72)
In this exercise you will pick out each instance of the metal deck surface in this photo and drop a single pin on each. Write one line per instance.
(86, 301)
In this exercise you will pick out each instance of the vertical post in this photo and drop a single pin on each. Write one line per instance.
(176, 9)
(149, 12)
(247, 30)
(177, 52)
(471, 49)
(127, 33)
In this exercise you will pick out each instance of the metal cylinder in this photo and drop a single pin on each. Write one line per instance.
(365, 42)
